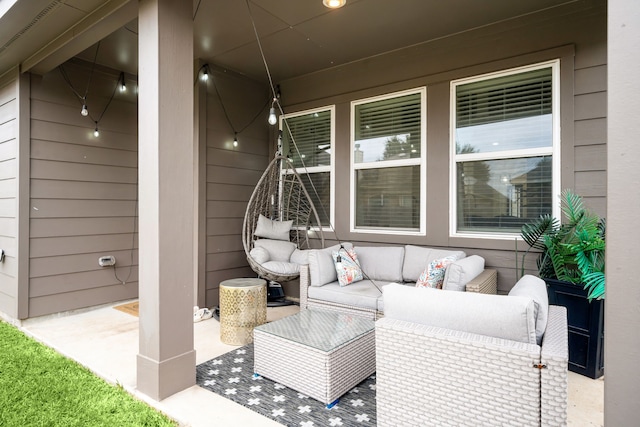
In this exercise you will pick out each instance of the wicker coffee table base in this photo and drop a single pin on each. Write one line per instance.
(324, 376)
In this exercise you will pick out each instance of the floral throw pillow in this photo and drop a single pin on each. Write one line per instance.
(347, 266)
(433, 275)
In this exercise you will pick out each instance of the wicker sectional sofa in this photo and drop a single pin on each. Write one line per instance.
(381, 266)
(467, 359)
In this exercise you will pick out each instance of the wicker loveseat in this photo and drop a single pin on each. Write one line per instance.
(381, 266)
(467, 359)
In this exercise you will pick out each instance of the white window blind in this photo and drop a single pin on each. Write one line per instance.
(504, 139)
(388, 135)
(307, 139)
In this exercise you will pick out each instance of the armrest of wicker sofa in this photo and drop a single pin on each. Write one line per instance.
(555, 356)
(485, 282)
(305, 282)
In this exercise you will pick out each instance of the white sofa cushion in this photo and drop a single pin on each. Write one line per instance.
(460, 272)
(300, 256)
(260, 255)
(269, 229)
(534, 288)
(361, 294)
(282, 267)
(508, 317)
(381, 262)
(279, 250)
(417, 258)
(322, 270)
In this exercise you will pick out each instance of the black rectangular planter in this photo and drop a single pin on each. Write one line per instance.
(586, 327)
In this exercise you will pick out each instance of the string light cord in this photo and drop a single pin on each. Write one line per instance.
(276, 101)
(133, 240)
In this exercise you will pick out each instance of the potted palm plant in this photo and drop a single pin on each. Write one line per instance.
(571, 261)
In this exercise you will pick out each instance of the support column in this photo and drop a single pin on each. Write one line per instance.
(166, 359)
(622, 316)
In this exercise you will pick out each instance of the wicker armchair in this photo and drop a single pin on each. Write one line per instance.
(432, 376)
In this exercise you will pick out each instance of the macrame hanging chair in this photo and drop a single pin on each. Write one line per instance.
(280, 195)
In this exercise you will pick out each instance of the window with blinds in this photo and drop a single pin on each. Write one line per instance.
(388, 162)
(504, 135)
(307, 139)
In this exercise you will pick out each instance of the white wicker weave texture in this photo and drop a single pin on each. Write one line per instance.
(430, 376)
(319, 353)
(555, 353)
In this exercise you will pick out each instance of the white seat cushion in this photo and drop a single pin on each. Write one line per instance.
(282, 267)
(361, 294)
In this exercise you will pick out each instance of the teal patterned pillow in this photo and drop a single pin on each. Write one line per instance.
(347, 266)
(433, 275)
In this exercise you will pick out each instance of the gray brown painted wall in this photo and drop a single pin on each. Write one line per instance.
(9, 197)
(231, 172)
(575, 33)
(83, 191)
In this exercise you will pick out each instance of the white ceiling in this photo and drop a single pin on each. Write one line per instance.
(298, 36)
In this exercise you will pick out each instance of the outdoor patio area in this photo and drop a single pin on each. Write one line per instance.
(106, 341)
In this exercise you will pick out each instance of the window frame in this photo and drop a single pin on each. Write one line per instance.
(318, 169)
(553, 151)
(418, 161)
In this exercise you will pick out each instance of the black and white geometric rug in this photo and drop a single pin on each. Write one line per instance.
(231, 376)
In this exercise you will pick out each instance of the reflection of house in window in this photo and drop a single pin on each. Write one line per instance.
(382, 202)
(533, 190)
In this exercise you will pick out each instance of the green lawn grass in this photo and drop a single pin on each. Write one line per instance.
(39, 387)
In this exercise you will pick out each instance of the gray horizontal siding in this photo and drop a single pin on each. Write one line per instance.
(231, 175)
(9, 198)
(83, 194)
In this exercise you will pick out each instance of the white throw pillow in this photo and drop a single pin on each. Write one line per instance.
(279, 250)
(269, 229)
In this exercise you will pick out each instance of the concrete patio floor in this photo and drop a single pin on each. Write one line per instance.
(106, 341)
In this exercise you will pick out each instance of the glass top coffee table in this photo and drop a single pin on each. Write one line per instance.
(322, 354)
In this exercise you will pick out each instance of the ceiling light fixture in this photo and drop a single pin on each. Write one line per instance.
(334, 4)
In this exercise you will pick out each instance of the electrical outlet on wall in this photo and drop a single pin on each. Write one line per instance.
(107, 261)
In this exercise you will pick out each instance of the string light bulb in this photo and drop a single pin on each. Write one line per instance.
(96, 132)
(272, 116)
(84, 111)
(205, 73)
(272, 113)
(123, 86)
(235, 140)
